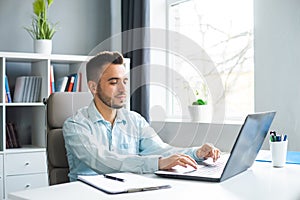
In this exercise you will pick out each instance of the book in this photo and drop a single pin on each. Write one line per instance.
(7, 90)
(116, 183)
(52, 83)
(68, 83)
(14, 135)
(292, 157)
(33, 89)
(71, 83)
(9, 140)
(61, 84)
(75, 86)
(19, 89)
(25, 93)
(29, 89)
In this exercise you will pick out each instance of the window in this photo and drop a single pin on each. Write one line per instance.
(224, 32)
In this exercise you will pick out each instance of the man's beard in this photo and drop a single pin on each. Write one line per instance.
(108, 100)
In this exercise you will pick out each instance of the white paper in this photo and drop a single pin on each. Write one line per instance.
(132, 183)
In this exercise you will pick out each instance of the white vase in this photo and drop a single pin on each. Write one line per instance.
(43, 46)
(200, 113)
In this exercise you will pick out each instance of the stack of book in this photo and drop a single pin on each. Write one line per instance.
(12, 140)
(27, 89)
(69, 83)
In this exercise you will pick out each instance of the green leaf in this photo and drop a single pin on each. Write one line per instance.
(49, 2)
(38, 7)
(51, 33)
(200, 102)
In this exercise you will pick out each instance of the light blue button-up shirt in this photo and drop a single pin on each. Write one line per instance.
(95, 146)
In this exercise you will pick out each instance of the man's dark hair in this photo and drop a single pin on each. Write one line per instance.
(96, 65)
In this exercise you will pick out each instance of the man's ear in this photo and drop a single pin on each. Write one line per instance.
(92, 86)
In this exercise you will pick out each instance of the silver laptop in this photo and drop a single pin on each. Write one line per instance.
(241, 157)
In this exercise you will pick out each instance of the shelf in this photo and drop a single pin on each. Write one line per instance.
(29, 118)
(69, 58)
(21, 57)
(24, 104)
(33, 57)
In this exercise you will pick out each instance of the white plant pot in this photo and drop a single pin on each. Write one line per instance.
(200, 113)
(43, 46)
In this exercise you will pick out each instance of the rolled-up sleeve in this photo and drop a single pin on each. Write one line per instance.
(152, 144)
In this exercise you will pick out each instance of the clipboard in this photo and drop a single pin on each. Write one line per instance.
(117, 183)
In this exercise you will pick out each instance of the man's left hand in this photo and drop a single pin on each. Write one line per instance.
(208, 151)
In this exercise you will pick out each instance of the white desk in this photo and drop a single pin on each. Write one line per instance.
(261, 181)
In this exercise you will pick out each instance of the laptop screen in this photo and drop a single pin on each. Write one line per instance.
(248, 143)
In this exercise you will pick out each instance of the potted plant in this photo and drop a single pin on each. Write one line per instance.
(199, 110)
(41, 30)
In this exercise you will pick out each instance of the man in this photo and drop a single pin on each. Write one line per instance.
(104, 138)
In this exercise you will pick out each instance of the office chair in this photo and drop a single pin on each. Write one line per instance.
(60, 106)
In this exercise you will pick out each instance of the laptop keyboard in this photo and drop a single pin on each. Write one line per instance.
(211, 169)
(208, 167)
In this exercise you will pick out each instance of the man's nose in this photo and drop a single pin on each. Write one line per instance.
(122, 87)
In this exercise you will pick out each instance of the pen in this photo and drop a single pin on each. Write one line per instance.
(113, 177)
(278, 138)
(148, 188)
(272, 138)
(285, 137)
(273, 133)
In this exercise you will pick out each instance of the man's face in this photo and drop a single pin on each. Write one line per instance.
(111, 88)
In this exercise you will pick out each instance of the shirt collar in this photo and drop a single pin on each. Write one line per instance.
(96, 116)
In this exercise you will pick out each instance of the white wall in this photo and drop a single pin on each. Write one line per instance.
(82, 25)
(277, 64)
(277, 70)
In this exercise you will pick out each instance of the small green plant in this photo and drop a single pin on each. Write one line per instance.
(41, 28)
(199, 101)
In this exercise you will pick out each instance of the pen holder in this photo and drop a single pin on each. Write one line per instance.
(278, 152)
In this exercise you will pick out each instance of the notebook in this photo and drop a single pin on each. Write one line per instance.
(244, 151)
(116, 183)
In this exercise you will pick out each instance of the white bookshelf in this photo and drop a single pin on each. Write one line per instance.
(26, 167)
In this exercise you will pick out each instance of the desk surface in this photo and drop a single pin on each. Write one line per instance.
(261, 181)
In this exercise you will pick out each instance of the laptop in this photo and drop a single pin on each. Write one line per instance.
(244, 151)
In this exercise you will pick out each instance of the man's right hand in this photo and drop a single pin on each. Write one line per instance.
(177, 159)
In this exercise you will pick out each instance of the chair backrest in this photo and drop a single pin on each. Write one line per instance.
(60, 106)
